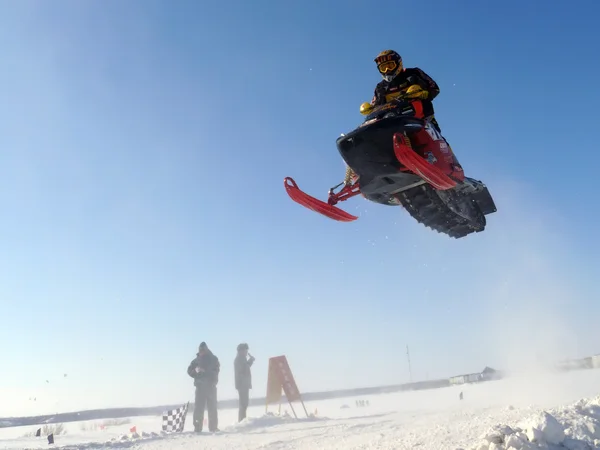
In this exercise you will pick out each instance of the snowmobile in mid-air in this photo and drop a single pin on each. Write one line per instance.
(397, 158)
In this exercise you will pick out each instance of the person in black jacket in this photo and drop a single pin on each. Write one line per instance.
(204, 369)
(243, 378)
(399, 81)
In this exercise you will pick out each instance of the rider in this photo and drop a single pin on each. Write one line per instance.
(406, 82)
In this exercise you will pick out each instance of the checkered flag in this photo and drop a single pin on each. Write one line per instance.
(174, 419)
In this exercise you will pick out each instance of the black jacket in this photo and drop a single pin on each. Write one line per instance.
(388, 90)
(211, 365)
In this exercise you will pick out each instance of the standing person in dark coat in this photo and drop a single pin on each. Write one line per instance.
(204, 369)
(243, 378)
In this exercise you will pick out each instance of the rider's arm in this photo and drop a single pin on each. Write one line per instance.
(378, 95)
(427, 83)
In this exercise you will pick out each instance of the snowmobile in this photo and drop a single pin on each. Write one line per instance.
(395, 157)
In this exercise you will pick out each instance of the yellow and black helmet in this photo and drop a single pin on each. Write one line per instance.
(389, 64)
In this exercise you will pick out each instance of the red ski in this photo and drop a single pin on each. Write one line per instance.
(326, 209)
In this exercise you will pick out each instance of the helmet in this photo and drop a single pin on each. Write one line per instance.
(389, 64)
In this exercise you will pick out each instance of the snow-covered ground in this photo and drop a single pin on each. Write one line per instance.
(546, 411)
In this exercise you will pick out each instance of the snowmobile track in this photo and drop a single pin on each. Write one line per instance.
(427, 208)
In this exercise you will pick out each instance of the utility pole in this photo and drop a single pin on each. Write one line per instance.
(409, 368)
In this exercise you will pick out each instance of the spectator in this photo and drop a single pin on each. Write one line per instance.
(204, 369)
(243, 378)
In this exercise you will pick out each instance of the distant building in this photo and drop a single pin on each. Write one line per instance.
(468, 378)
(489, 374)
(486, 375)
(429, 384)
(575, 364)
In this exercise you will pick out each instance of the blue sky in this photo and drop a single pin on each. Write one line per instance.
(144, 146)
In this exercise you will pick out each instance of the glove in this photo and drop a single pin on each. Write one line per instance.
(366, 108)
(416, 91)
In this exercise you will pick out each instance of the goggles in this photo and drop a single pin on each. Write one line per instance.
(387, 66)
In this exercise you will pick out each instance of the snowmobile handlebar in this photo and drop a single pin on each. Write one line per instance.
(402, 106)
(367, 108)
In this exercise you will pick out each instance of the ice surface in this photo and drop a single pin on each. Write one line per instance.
(560, 411)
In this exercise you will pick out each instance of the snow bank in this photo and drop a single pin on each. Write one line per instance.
(573, 427)
(271, 420)
(126, 440)
(137, 439)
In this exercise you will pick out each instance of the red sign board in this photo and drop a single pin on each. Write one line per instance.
(281, 378)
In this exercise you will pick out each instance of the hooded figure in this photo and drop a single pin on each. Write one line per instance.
(243, 378)
(204, 369)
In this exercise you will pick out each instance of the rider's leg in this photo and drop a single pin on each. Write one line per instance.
(430, 144)
(433, 121)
